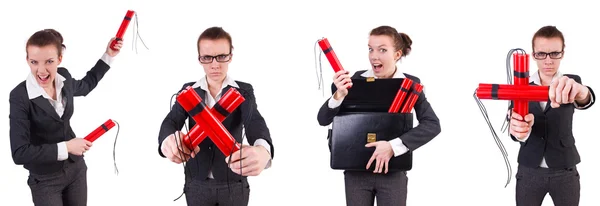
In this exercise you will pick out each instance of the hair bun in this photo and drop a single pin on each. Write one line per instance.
(406, 39)
(406, 42)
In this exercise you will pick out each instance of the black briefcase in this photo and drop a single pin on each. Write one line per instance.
(351, 131)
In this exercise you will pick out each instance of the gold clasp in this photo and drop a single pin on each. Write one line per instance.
(371, 137)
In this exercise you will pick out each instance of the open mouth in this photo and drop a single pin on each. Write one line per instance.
(43, 78)
(377, 66)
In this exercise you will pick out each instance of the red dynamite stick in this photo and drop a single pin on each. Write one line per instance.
(192, 103)
(228, 102)
(406, 83)
(510, 86)
(109, 124)
(190, 100)
(123, 28)
(412, 99)
(521, 75)
(513, 94)
(331, 56)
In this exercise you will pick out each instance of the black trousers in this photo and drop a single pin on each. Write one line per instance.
(363, 187)
(66, 187)
(534, 183)
(213, 192)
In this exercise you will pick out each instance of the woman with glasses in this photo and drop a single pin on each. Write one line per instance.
(211, 178)
(548, 155)
(386, 47)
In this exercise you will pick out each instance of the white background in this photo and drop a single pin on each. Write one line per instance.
(274, 44)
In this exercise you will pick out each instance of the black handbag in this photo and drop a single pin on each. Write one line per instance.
(350, 133)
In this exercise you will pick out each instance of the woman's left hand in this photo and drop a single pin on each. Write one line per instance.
(382, 155)
(566, 90)
(118, 47)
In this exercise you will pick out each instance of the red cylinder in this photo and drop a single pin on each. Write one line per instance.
(521, 77)
(515, 61)
(515, 87)
(526, 65)
(412, 99)
(521, 70)
(399, 99)
(229, 101)
(194, 137)
(514, 95)
(189, 100)
(122, 28)
(109, 124)
(331, 56)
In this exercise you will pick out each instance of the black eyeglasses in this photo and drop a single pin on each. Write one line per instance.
(207, 59)
(543, 55)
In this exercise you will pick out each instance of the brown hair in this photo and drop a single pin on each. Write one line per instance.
(46, 37)
(401, 40)
(548, 32)
(214, 33)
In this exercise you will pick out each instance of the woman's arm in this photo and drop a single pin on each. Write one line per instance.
(256, 128)
(587, 99)
(82, 87)
(85, 85)
(428, 128)
(23, 152)
(173, 122)
(329, 109)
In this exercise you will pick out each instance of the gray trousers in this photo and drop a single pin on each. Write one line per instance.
(212, 192)
(66, 187)
(363, 187)
(534, 183)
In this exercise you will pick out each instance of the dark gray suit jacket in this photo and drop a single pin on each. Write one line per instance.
(245, 115)
(429, 124)
(36, 128)
(551, 136)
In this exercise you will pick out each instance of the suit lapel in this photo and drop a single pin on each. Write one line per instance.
(245, 106)
(225, 90)
(68, 95)
(46, 106)
(201, 93)
(536, 106)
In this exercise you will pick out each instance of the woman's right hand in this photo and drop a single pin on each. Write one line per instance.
(113, 52)
(521, 127)
(78, 146)
(174, 149)
(342, 81)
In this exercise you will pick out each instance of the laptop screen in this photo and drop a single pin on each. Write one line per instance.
(371, 96)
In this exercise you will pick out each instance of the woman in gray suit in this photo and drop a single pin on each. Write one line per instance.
(41, 107)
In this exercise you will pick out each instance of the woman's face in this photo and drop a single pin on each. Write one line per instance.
(547, 54)
(383, 56)
(218, 53)
(43, 62)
